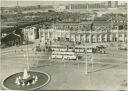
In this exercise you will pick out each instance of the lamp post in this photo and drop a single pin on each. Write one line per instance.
(86, 62)
(78, 62)
(86, 65)
(63, 60)
(92, 62)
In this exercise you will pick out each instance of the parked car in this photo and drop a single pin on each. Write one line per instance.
(123, 47)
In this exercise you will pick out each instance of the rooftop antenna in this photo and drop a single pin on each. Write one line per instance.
(17, 7)
(17, 3)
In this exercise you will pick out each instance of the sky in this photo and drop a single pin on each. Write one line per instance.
(12, 3)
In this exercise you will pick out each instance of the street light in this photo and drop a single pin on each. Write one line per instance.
(78, 62)
(92, 62)
(86, 64)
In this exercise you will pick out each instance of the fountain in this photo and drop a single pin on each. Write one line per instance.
(25, 74)
(26, 79)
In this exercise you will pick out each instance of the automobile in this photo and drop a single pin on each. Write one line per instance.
(89, 50)
(123, 47)
(101, 46)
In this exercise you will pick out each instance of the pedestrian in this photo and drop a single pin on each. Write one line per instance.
(22, 50)
(104, 52)
(15, 51)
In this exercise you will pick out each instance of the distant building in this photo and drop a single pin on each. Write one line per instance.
(30, 33)
(36, 9)
(60, 8)
(87, 6)
(112, 4)
(116, 4)
(7, 11)
(97, 5)
(11, 39)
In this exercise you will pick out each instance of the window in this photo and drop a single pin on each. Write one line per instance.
(120, 27)
(120, 35)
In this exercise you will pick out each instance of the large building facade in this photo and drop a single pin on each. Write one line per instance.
(83, 37)
(99, 30)
(78, 33)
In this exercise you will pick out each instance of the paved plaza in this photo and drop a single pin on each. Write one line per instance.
(108, 72)
(64, 45)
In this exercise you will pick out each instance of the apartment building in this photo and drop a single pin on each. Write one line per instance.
(100, 30)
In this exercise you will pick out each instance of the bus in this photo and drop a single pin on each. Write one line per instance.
(79, 49)
(76, 49)
(83, 49)
(63, 55)
(58, 48)
(61, 48)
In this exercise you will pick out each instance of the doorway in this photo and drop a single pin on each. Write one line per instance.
(37, 34)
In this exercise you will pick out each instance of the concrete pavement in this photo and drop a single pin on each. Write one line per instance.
(109, 71)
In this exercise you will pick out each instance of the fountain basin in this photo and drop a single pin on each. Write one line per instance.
(43, 79)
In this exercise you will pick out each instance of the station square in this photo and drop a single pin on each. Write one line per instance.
(64, 46)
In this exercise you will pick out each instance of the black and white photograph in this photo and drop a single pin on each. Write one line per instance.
(63, 45)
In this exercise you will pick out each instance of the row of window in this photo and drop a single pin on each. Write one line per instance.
(85, 36)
